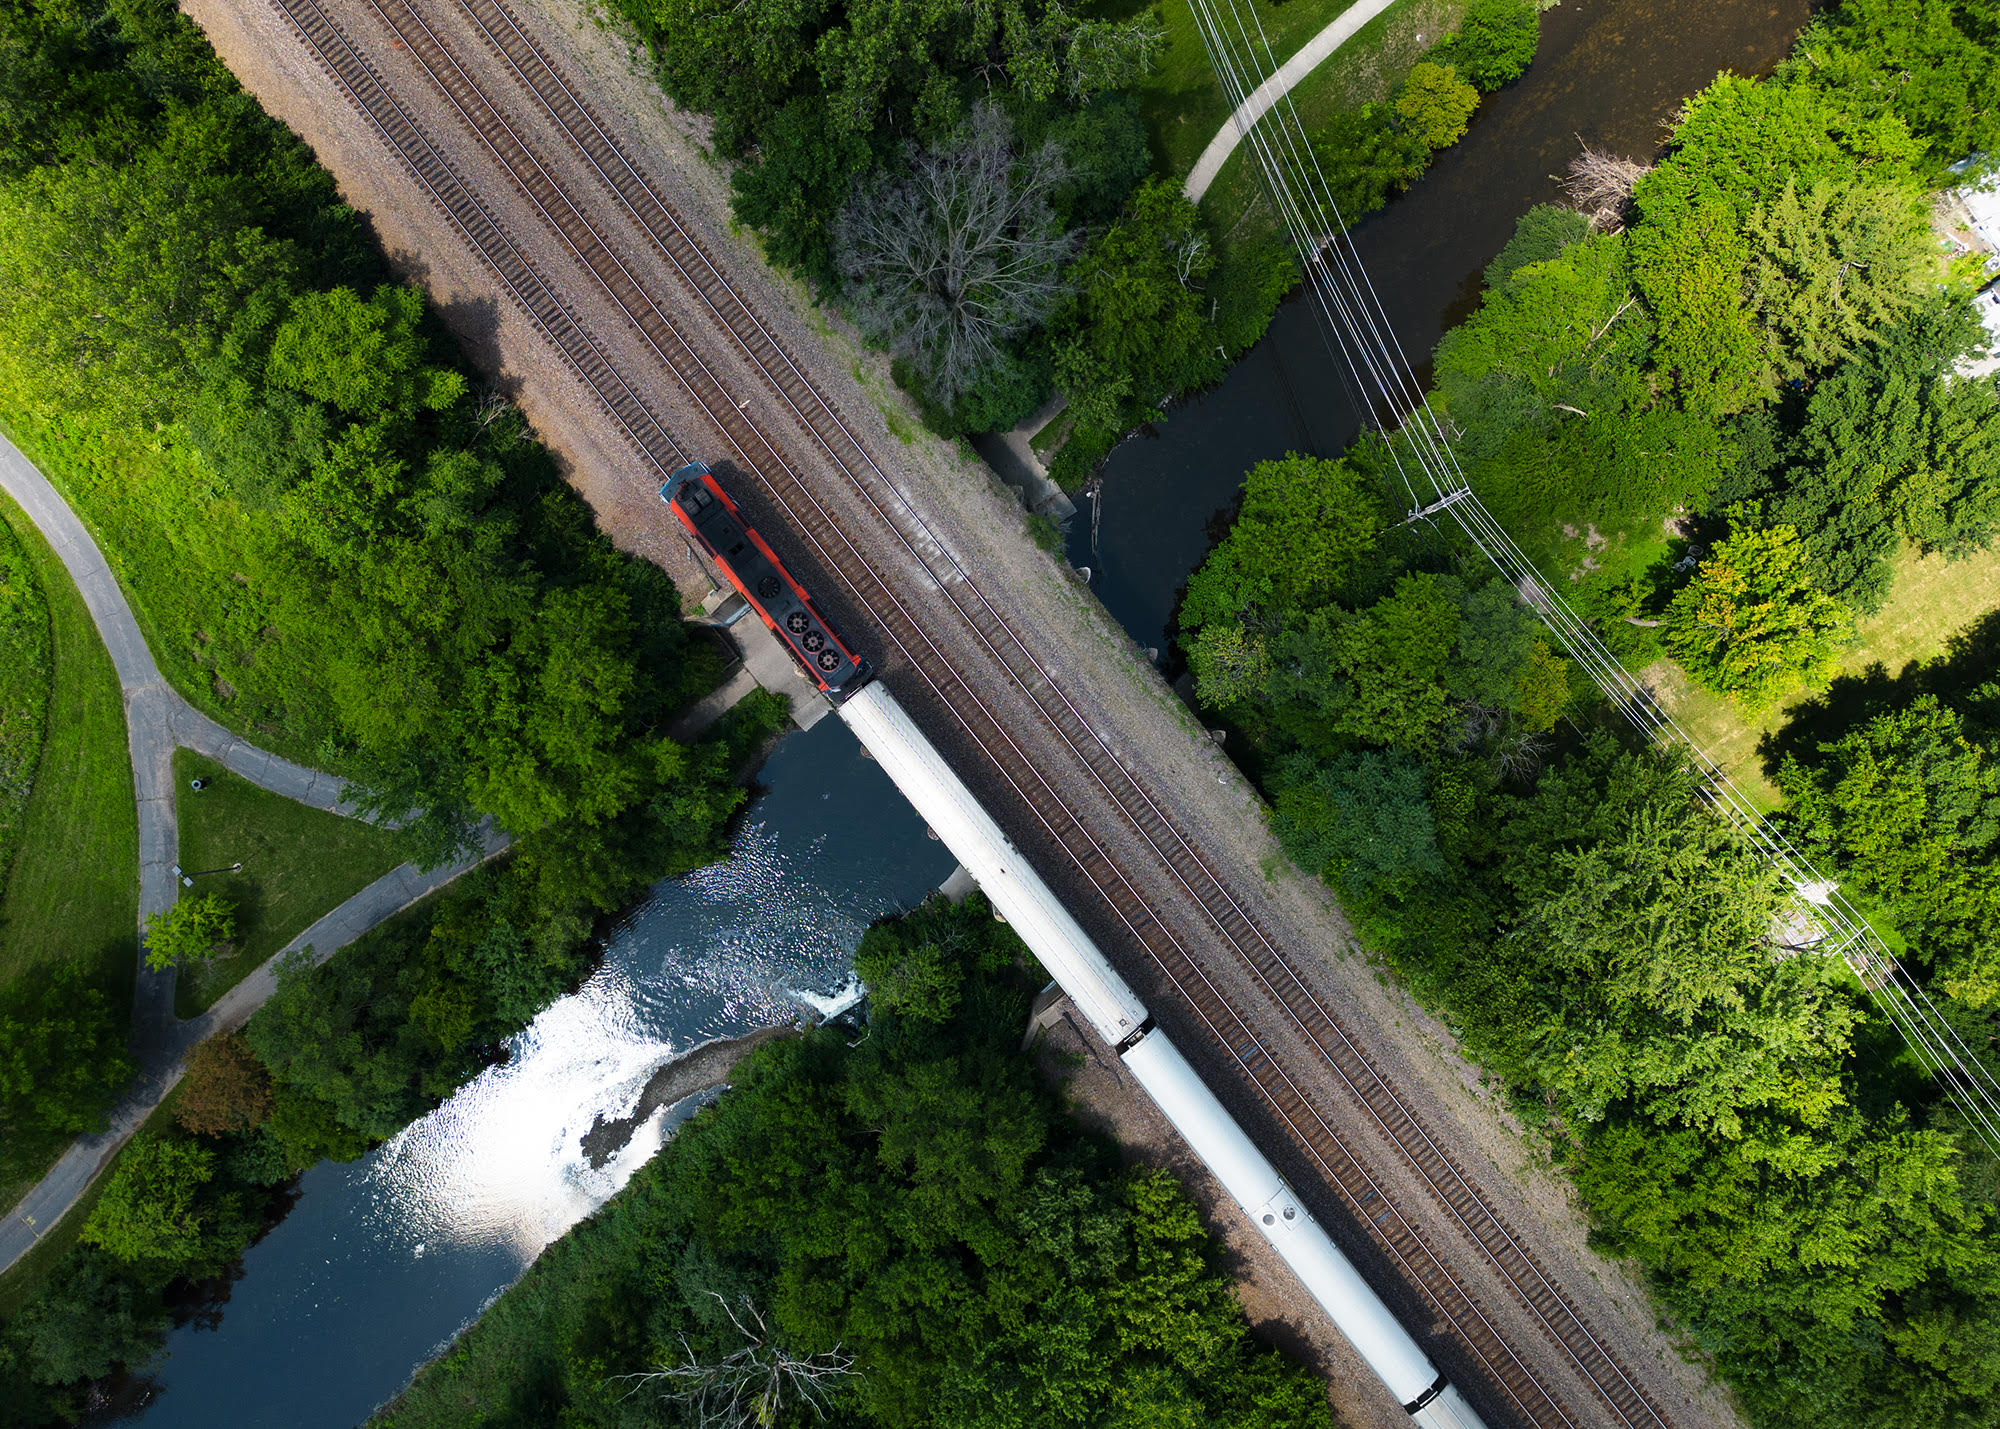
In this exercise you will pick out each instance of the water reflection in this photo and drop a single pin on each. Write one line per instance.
(382, 1261)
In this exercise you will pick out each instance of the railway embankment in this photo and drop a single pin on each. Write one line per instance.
(1123, 778)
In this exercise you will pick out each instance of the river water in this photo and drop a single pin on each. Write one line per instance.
(383, 1260)
(1611, 73)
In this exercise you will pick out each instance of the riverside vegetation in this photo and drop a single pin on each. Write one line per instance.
(1713, 409)
(909, 1219)
(338, 542)
(980, 190)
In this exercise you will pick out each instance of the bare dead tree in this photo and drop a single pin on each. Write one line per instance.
(752, 1387)
(1600, 187)
(950, 260)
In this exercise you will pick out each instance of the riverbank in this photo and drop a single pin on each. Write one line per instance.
(1608, 73)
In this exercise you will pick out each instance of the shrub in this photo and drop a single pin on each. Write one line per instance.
(188, 931)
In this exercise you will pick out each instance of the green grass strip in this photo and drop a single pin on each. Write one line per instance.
(72, 894)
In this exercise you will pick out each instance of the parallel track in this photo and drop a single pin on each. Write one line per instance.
(842, 554)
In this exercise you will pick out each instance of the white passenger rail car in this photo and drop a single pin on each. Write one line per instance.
(1120, 1018)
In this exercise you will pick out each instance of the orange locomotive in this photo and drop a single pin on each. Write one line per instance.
(694, 495)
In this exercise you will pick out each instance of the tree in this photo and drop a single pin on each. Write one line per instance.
(151, 1211)
(1366, 155)
(225, 1089)
(1229, 664)
(1895, 446)
(917, 976)
(1135, 331)
(1832, 264)
(955, 259)
(1436, 103)
(189, 930)
(1601, 185)
(1751, 624)
(87, 1321)
(1649, 927)
(1394, 654)
(365, 357)
(62, 1054)
(1362, 822)
(1737, 146)
(754, 1385)
(1495, 42)
(1932, 63)
(1540, 234)
(1306, 523)
(118, 282)
(1909, 807)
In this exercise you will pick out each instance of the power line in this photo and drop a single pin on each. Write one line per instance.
(1356, 329)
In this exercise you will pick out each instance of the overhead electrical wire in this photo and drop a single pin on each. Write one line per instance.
(1371, 362)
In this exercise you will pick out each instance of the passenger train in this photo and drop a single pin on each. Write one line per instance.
(1104, 998)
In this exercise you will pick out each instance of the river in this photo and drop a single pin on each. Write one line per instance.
(383, 1260)
(1611, 73)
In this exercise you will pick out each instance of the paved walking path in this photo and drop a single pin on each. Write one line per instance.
(157, 721)
(1309, 58)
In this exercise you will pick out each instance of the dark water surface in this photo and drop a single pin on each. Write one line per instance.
(1609, 72)
(383, 1260)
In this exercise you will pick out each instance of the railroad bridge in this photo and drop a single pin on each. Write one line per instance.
(680, 347)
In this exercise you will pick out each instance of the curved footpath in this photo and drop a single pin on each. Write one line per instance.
(158, 721)
(1309, 57)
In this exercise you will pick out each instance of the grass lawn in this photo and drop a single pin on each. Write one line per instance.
(1364, 70)
(1929, 603)
(1182, 102)
(72, 894)
(173, 544)
(298, 863)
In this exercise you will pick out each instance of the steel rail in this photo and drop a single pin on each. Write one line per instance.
(528, 172)
(1206, 1000)
(621, 178)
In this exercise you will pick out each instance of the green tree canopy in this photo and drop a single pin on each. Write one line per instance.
(62, 1054)
(151, 1210)
(1436, 103)
(189, 930)
(1137, 326)
(1751, 623)
(1935, 64)
(1494, 43)
(1305, 524)
(1909, 808)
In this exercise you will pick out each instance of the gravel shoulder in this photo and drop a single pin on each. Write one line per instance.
(980, 523)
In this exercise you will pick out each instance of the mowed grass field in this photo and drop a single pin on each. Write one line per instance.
(298, 863)
(72, 894)
(1930, 601)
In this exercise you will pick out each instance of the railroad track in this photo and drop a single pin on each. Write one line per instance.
(846, 556)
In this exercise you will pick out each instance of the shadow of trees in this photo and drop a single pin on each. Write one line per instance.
(1957, 678)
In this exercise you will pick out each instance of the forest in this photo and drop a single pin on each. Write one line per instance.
(903, 1228)
(978, 190)
(341, 542)
(1717, 401)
